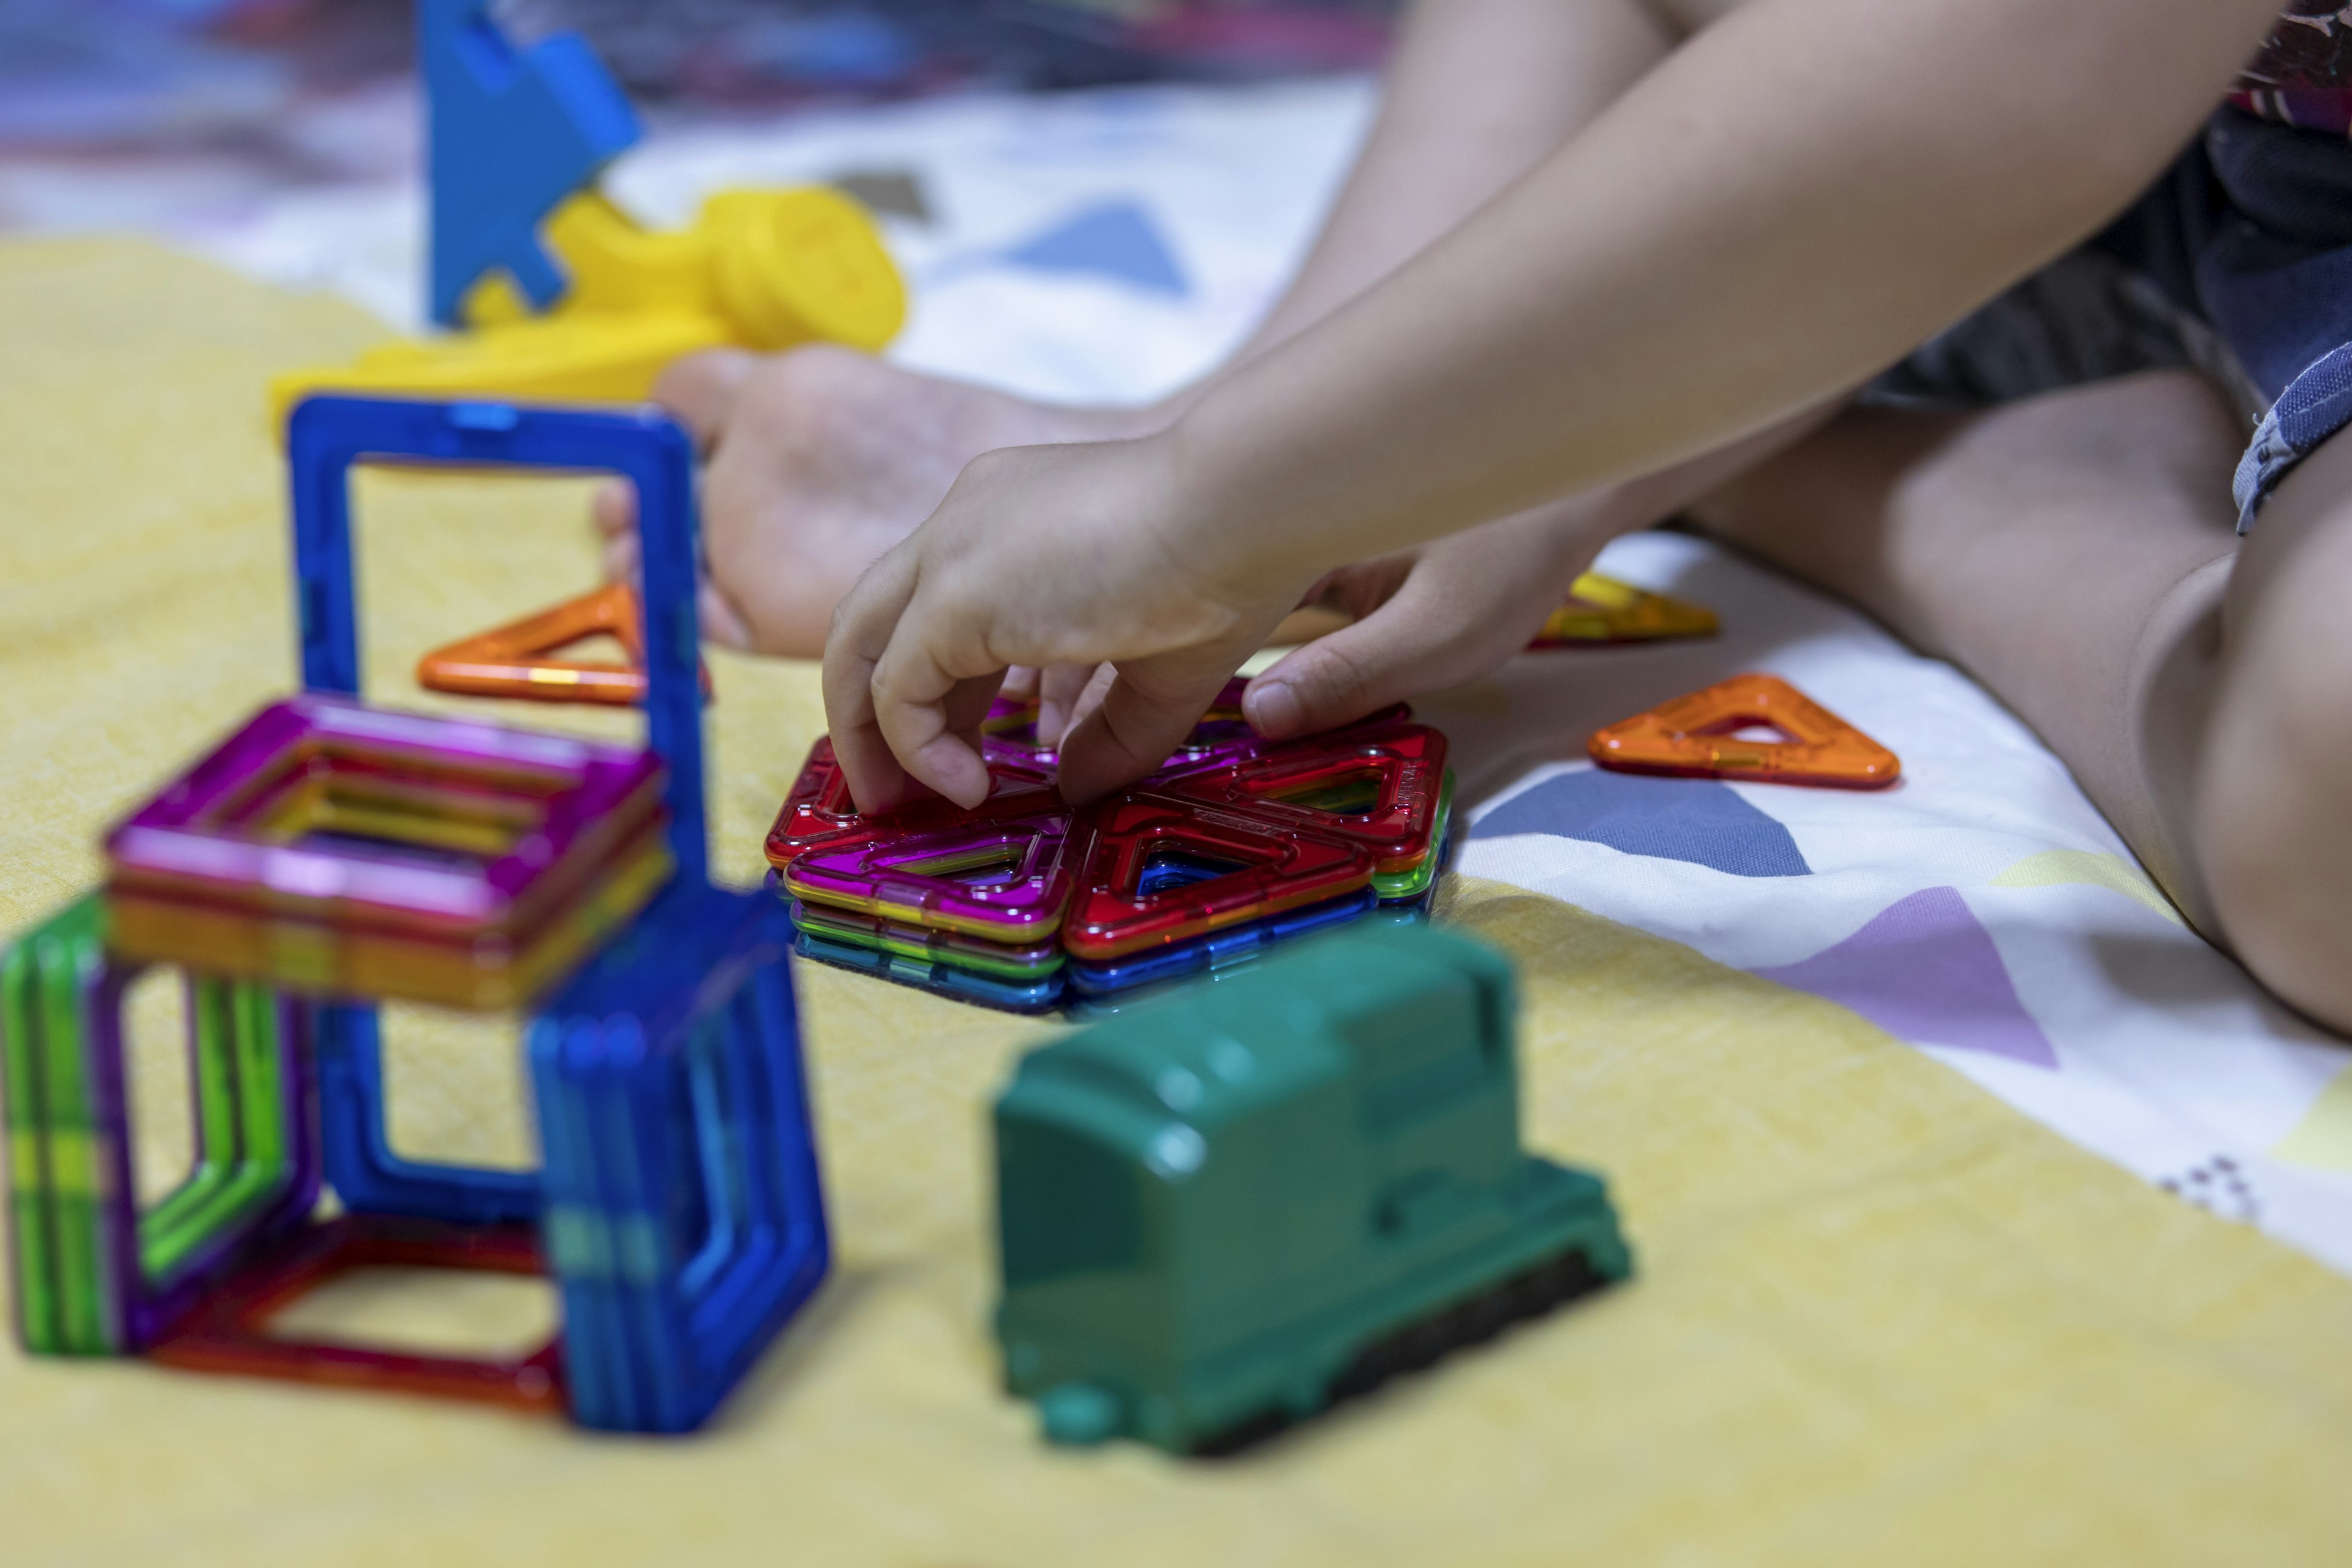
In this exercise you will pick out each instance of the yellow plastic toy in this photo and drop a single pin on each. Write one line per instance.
(1603, 610)
(758, 270)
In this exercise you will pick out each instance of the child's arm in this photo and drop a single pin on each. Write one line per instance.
(1803, 191)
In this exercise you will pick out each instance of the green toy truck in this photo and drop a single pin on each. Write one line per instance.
(1219, 1215)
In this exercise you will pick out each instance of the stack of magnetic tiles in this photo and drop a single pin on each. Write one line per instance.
(330, 855)
(274, 858)
(1235, 846)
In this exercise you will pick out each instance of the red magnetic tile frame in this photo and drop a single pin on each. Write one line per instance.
(820, 812)
(1407, 762)
(229, 1333)
(1694, 736)
(1282, 866)
(514, 659)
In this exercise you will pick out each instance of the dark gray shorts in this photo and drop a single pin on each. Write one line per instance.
(2238, 264)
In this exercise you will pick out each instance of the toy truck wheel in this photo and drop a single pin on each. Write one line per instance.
(1080, 1415)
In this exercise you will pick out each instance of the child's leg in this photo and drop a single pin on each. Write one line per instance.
(2075, 552)
(2271, 824)
(823, 458)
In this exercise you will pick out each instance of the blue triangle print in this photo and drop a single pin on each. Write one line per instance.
(1117, 241)
(1698, 820)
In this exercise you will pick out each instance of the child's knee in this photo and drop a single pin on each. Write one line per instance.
(2275, 833)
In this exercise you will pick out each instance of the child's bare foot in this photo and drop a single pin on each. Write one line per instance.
(818, 461)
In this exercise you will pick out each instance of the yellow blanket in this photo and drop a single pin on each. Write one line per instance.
(1879, 1319)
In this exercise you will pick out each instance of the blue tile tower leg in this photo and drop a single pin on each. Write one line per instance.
(325, 438)
(686, 1221)
(511, 134)
(679, 1201)
(360, 1163)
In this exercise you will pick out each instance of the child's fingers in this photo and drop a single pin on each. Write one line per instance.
(1105, 676)
(699, 391)
(1148, 707)
(906, 685)
(722, 623)
(924, 706)
(622, 556)
(862, 626)
(1020, 683)
(613, 507)
(1058, 694)
(1420, 640)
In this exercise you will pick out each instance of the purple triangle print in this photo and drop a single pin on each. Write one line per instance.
(1925, 971)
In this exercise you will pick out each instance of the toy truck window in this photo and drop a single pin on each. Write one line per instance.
(1070, 1206)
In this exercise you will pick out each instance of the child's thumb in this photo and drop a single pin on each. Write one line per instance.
(1361, 668)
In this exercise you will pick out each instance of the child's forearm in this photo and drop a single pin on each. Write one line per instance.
(1802, 194)
(1477, 93)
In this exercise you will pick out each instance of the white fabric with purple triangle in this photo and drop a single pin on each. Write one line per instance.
(1982, 910)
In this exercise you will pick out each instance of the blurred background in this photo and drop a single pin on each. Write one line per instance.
(1091, 199)
(146, 111)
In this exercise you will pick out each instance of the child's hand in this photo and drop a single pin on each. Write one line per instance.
(1073, 555)
(1431, 617)
(1437, 615)
(816, 461)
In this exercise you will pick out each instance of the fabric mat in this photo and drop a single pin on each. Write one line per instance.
(1108, 245)
(1880, 1316)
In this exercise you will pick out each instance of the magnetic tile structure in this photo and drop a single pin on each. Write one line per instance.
(339, 849)
(94, 1274)
(684, 1217)
(328, 855)
(1235, 846)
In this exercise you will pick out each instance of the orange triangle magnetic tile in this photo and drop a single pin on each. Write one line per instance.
(1235, 869)
(1604, 610)
(1379, 787)
(513, 661)
(1697, 736)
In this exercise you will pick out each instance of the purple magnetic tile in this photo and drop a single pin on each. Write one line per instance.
(173, 837)
(1222, 735)
(147, 1314)
(1008, 735)
(1219, 741)
(1029, 901)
